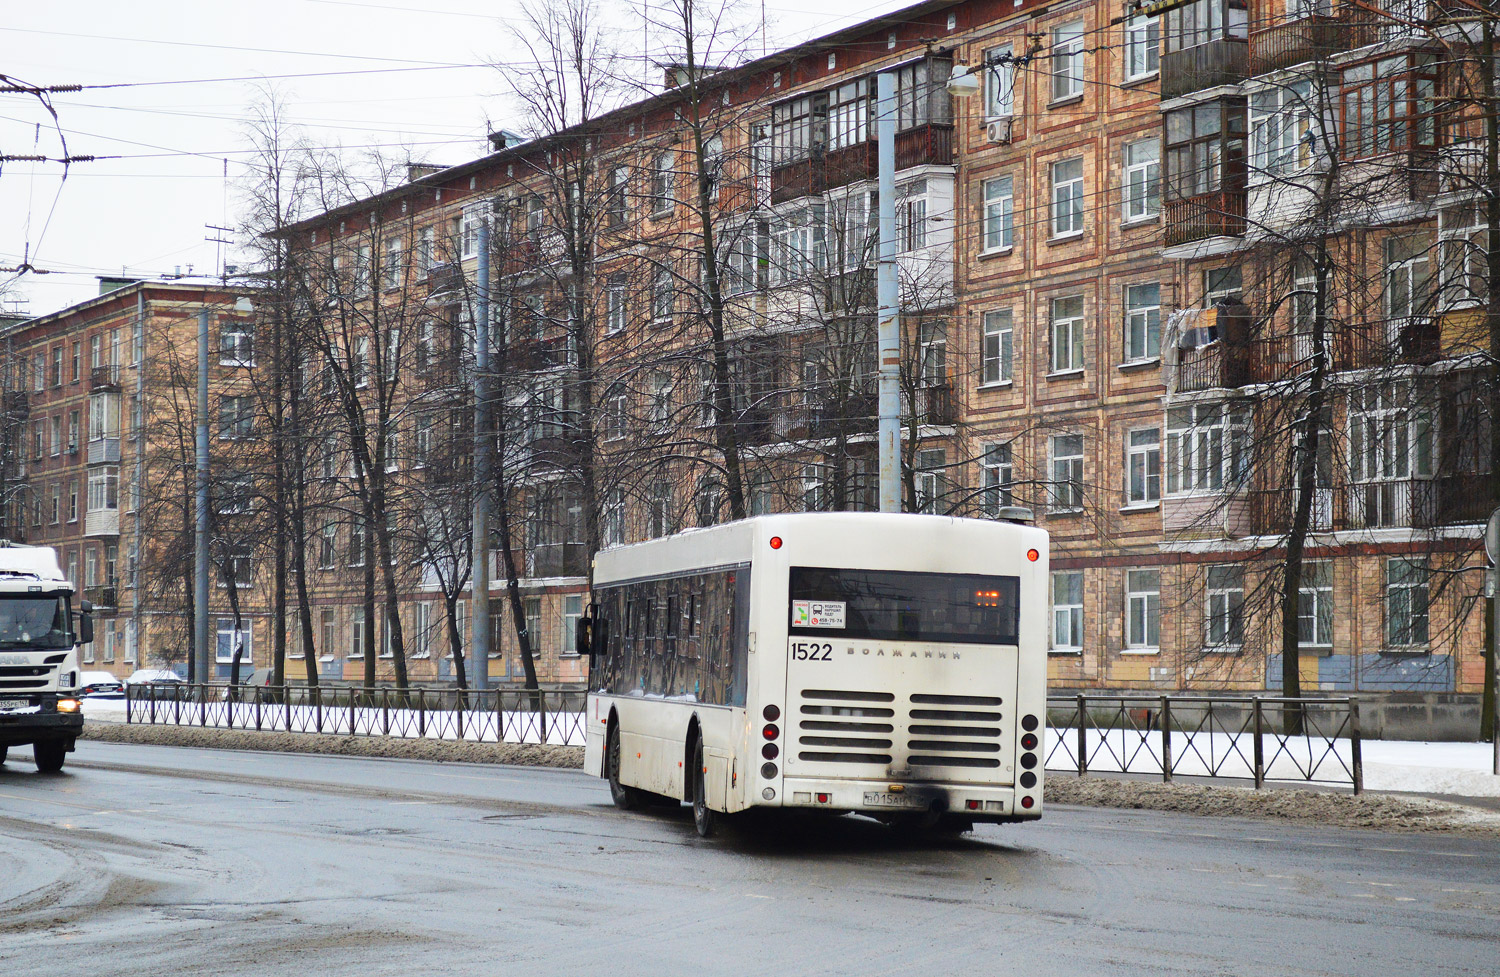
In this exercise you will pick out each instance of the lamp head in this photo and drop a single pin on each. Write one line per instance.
(963, 82)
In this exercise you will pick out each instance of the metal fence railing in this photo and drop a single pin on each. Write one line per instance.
(491, 716)
(1255, 738)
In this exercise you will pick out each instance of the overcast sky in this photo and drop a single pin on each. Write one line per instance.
(190, 72)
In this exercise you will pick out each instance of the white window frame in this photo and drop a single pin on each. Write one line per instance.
(356, 649)
(997, 354)
(996, 476)
(1224, 608)
(911, 216)
(1143, 475)
(1066, 327)
(999, 214)
(1143, 611)
(1067, 197)
(1281, 136)
(1065, 460)
(1315, 606)
(1142, 46)
(1065, 591)
(1067, 61)
(663, 182)
(999, 83)
(1462, 245)
(614, 306)
(1207, 448)
(236, 341)
(572, 609)
(1140, 187)
(224, 637)
(1143, 322)
(932, 463)
(801, 241)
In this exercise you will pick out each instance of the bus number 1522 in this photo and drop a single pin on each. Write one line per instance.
(812, 651)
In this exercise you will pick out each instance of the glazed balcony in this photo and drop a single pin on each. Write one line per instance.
(823, 170)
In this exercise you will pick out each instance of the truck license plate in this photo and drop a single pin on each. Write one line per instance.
(876, 798)
(8, 704)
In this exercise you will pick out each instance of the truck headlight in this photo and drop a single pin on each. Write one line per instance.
(67, 705)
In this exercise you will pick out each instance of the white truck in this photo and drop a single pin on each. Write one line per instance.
(39, 642)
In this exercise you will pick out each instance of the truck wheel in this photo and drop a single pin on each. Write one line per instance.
(3, 751)
(50, 755)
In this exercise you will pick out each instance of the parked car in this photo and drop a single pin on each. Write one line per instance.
(159, 683)
(100, 685)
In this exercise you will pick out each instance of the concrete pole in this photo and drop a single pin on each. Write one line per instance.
(484, 444)
(888, 296)
(203, 660)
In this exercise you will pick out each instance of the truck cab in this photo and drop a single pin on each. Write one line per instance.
(40, 631)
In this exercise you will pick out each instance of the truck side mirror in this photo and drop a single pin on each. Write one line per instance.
(582, 636)
(85, 622)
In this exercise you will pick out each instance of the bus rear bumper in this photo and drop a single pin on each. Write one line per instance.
(990, 803)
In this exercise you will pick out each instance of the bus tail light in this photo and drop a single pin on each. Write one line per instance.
(775, 542)
(1028, 741)
(1028, 802)
(1033, 555)
(972, 805)
(771, 731)
(823, 798)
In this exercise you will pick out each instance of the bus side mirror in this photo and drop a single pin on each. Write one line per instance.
(85, 623)
(582, 636)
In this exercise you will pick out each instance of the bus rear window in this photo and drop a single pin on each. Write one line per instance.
(894, 605)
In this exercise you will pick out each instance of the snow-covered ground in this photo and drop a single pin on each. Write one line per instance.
(1462, 769)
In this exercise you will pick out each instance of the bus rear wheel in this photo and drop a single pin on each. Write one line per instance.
(705, 820)
(50, 755)
(625, 798)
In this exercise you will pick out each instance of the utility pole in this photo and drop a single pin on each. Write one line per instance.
(201, 658)
(888, 296)
(484, 445)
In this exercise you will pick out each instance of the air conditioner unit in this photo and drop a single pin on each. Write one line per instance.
(998, 131)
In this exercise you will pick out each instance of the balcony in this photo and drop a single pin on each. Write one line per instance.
(1207, 215)
(17, 406)
(105, 378)
(1413, 503)
(1217, 62)
(928, 145)
(855, 414)
(444, 276)
(102, 522)
(1312, 38)
(1222, 355)
(106, 596)
(104, 451)
(936, 404)
(557, 560)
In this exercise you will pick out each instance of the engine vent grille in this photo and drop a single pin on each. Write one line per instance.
(930, 731)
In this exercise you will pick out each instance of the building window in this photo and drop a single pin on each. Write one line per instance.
(707, 502)
(931, 480)
(392, 271)
(1143, 466)
(1463, 241)
(104, 489)
(357, 544)
(1390, 105)
(911, 216)
(1281, 135)
(1067, 61)
(57, 513)
(1067, 334)
(797, 128)
(612, 519)
(1406, 603)
(999, 218)
(356, 632)
(1202, 21)
(572, 611)
(746, 259)
(1142, 322)
(849, 114)
(1391, 454)
(57, 366)
(1142, 184)
(663, 175)
(1067, 610)
(1142, 46)
(1208, 447)
(236, 342)
(617, 205)
(73, 500)
(1142, 610)
(236, 494)
(1067, 197)
(236, 417)
(229, 639)
(998, 353)
(920, 97)
(1205, 147)
(57, 433)
(662, 298)
(1408, 280)
(1065, 489)
(995, 478)
(239, 566)
(77, 360)
(1224, 615)
(614, 305)
(1000, 83)
(801, 239)
(327, 546)
(1315, 606)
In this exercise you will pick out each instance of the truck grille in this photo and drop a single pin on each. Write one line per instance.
(932, 730)
(24, 676)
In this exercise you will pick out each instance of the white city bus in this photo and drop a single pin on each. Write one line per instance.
(888, 664)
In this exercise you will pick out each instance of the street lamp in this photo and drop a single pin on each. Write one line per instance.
(963, 82)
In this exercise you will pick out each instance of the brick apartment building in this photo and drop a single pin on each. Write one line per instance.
(1111, 310)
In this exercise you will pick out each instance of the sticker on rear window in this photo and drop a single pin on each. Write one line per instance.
(818, 613)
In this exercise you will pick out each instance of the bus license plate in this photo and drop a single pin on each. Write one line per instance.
(876, 798)
(8, 704)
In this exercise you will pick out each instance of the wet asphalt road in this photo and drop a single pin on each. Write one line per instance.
(158, 860)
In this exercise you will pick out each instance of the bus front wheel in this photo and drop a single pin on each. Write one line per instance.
(704, 819)
(625, 798)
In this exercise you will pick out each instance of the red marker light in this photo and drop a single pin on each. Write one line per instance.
(973, 805)
(771, 731)
(775, 542)
(1027, 802)
(1033, 555)
(822, 798)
